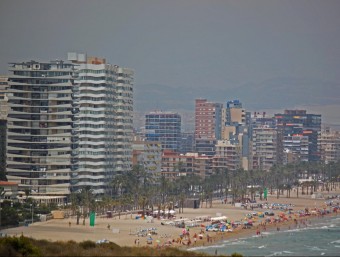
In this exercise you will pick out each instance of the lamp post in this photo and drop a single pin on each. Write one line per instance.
(2, 193)
(32, 212)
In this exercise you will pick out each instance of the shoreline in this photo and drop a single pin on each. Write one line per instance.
(219, 239)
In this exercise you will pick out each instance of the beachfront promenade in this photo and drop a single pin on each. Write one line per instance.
(123, 230)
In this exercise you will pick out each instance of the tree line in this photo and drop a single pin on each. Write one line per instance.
(137, 189)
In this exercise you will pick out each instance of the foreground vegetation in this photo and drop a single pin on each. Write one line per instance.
(23, 246)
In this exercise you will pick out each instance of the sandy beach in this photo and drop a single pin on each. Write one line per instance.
(123, 230)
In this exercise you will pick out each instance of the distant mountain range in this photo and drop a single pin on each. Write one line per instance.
(273, 96)
(278, 93)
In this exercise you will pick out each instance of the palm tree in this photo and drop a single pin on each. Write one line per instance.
(87, 201)
(297, 184)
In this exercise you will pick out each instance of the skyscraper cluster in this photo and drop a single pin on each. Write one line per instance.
(228, 137)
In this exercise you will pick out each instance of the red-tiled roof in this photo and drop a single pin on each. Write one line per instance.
(7, 183)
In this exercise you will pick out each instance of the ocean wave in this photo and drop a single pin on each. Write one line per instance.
(208, 247)
(280, 253)
(240, 242)
(335, 242)
(314, 248)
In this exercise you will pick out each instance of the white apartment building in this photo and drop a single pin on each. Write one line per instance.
(105, 122)
(227, 156)
(264, 147)
(40, 151)
(329, 143)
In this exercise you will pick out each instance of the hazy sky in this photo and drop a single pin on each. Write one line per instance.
(186, 43)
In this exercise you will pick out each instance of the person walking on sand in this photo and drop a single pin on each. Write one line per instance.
(69, 224)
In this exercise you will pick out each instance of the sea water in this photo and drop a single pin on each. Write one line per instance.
(320, 238)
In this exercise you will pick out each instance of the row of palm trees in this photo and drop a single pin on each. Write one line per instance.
(137, 189)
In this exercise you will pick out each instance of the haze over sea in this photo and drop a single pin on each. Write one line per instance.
(320, 238)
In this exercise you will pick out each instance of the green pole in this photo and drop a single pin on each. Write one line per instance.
(92, 218)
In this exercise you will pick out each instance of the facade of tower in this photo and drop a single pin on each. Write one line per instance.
(228, 156)
(329, 142)
(41, 151)
(208, 118)
(298, 122)
(264, 148)
(164, 127)
(124, 119)
(297, 146)
(105, 122)
(3, 125)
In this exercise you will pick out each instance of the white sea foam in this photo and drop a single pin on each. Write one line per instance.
(335, 242)
(280, 253)
(314, 248)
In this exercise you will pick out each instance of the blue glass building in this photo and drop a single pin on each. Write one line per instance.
(164, 127)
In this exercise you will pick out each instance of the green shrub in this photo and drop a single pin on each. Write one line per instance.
(236, 255)
(87, 244)
(21, 245)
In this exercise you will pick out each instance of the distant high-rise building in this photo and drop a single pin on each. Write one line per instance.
(3, 125)
(297, 146)
(3, 135)
(235, 114)
(228, 156)
(149, 155)
(3, 86)
(208, 118)
(164, 127)
(329, 142)
(264, 147)
(235, 129)
(187, 142)
(298, 122)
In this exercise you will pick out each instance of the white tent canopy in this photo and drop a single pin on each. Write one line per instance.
(221, 218)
